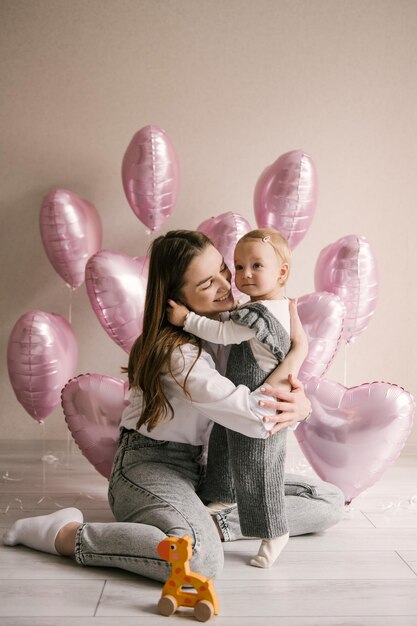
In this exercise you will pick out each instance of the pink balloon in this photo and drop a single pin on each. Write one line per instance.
(355, 434)
(150, 173)
(348, 268)
(71, 232)
(93, 406)
(225, 230)
(116, 286)
(41, 357)
(286, 196)
(322, 315)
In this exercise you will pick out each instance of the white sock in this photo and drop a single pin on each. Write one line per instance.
(269, 551)
(216, 507)
(40, 532)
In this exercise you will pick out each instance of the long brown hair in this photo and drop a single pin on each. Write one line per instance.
(150, 356)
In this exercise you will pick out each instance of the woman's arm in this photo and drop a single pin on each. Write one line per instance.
(216, 397)
(252, 414)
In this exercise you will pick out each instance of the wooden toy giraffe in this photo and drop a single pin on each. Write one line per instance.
(178, 551)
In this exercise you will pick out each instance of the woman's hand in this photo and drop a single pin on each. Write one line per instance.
(176, 313)
(291, 406)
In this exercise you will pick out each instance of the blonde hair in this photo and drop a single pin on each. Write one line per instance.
(275, 239)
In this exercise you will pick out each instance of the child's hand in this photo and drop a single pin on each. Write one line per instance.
(176, 313)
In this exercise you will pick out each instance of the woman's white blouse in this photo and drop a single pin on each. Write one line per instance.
(212, 398)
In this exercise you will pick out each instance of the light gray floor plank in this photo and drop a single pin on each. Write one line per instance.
(49, 597)
(322, 565)
(336, 539)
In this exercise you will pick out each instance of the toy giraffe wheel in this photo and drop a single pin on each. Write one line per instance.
(178, 551)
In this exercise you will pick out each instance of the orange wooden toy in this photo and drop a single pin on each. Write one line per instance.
(178, 551)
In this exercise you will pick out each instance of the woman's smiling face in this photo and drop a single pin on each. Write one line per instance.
(207, 289)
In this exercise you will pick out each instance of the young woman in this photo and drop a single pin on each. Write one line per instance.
(177, 394)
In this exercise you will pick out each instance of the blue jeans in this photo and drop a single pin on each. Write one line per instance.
(153, 493)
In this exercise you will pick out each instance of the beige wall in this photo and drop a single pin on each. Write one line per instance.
(235, 84)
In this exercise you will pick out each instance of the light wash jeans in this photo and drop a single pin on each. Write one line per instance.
(153, 493)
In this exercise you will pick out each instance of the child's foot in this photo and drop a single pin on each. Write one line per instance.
(40, 532)
(269, 551)
(217, 507)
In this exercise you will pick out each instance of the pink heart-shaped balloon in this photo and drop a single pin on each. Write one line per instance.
(225, 230)
(355, 434)
(150, 173)
(116, 286)
(41, 356)
(71, 232)
(93, 405)
(349, 269)
(322, 315)
(286, 195)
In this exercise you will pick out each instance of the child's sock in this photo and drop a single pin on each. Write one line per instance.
(217, 507)
(269, 551)
(40, 532)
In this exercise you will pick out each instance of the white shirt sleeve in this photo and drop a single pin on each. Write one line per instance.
(223, 333)
(216, 396)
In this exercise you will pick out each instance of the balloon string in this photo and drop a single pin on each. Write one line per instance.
(43, 455)
(345, 365)
(70, 306)
(69, 447)
(29, 505)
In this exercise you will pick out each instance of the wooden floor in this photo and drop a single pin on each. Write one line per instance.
(361, 572)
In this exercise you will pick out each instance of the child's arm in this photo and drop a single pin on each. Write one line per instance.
(295, 357)
(223, 333)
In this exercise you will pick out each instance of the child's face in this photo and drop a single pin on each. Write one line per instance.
(260, 273)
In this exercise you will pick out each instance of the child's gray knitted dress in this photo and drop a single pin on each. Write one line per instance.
(243, 469)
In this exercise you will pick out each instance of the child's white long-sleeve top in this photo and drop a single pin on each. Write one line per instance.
(230, 332)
